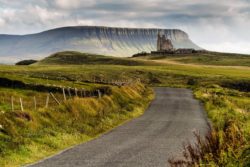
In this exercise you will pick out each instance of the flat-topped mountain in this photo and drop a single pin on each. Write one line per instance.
(120, 42)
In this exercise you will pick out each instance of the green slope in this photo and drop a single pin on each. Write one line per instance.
(207, 58)
(78, 58)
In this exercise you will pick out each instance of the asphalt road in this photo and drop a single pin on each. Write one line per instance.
(147, 141)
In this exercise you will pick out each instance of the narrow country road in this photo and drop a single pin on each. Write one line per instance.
(147, 141)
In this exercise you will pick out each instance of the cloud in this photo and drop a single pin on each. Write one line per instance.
(238, 47)
(73, 4)
(212, 24)
(43, 15)
(2, 22)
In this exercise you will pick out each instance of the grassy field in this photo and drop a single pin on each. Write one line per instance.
(208, 58)
(78, 58)
(224, 90)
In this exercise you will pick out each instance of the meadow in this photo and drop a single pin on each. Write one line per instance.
(206, 58)
(223, 88)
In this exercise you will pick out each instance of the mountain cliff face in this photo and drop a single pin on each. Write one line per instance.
(120, 42)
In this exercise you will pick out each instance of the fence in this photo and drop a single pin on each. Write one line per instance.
(58, 94)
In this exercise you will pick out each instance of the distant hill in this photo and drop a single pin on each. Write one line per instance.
(77, 58)
(120, 42)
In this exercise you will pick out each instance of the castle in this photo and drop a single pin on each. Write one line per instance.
(164, 44)
(166, 47)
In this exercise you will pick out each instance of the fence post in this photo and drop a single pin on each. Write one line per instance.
(35, 102)
(76, 92)
(47, 101)
(69, 91)
(84, 93)
(12, 103)
(99, 93)
(21, 104)
(81, 93)
(64, 95)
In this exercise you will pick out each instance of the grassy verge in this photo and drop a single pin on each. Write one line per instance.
(31, 135)
(229, 141)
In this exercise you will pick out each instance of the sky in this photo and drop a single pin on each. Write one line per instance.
(219, 25)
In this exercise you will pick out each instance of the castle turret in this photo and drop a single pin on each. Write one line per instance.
(159, 42)
(164, 44)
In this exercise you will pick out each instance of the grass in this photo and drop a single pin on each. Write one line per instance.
(227, 143)
(31, 135)
(208, 58)
(222, 87)
(78, 58)
(218, 148)
(168, 75)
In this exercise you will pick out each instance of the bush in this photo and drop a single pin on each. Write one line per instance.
(26, 62)
(238, 85)
(191, 81)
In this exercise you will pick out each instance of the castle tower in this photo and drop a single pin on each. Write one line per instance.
(159, 42)
(164, 44)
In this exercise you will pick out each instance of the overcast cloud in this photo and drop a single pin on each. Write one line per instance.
(221, 25)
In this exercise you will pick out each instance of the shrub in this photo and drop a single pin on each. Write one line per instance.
(26, 62)
(191, 81)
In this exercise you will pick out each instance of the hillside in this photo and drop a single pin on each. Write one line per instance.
(78, 58)
(120, 42)
(207, 58)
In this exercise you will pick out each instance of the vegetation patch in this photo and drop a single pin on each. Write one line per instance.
(26, 62)
(206, 58)
(238, 85)
(29, 135)
(228, 141)
(222, 88)
(78, 58)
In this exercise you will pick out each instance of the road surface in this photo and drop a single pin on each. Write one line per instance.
(147, 141)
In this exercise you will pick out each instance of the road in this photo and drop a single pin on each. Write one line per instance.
(147, 141)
